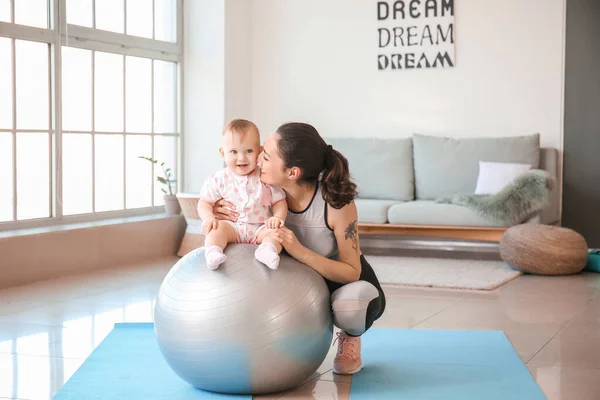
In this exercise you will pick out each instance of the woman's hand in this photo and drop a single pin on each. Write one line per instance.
(224, 210)
(289, 241)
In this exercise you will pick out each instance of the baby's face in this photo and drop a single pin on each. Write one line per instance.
(240, 152)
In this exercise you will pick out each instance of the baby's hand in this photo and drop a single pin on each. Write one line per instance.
(209, 224)
(275, 222)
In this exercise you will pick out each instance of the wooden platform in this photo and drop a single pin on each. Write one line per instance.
(487, 234)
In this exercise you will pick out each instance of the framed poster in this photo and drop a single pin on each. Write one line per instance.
(415, 34)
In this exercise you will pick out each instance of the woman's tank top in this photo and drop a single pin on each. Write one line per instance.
(310, 227)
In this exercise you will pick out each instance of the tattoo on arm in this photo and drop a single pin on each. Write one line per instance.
(352, 234)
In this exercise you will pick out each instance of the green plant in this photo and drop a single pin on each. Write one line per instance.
(167, 180)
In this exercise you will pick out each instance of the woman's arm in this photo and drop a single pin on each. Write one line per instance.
(344, 270)
(344, 223)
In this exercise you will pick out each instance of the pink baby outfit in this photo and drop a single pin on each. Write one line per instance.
(252, 198)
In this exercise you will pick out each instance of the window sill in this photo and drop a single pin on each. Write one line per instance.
(34, 254)
(83, 225)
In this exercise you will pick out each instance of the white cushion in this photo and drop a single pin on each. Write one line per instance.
(493, 176)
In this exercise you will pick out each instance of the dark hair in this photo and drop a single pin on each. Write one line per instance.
(300, 145)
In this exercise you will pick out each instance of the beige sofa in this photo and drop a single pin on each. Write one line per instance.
(400, 179)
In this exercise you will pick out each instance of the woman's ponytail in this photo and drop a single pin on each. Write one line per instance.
(337, 187)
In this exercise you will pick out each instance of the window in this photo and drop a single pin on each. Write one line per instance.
(81, 101)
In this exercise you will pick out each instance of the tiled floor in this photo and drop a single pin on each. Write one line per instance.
(48, 329)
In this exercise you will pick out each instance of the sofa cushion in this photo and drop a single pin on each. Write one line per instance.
(424, 212)
(448, 166)
(495, 176)
(373, 211)
(549, 163)
(382, 168)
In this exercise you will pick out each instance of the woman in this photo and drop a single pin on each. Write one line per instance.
(321, 230)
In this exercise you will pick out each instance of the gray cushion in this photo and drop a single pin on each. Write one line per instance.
(373, 211)
(447, 166)
(424, 212)
(549, 163)
(382, 168)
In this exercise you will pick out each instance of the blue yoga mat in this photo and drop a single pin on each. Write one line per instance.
(435, 364)
(129, 365)
(399, 364)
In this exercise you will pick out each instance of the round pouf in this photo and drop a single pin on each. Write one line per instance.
(544, 249)
(243, 329)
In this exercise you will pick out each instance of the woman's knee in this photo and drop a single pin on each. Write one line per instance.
(355, 306)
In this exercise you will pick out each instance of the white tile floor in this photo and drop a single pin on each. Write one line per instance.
(48, 329)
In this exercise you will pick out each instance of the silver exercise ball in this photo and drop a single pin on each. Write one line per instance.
(244, 328)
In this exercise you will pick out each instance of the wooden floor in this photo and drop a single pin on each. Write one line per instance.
(487, 234)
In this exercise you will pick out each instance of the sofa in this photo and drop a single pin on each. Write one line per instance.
(400, 180)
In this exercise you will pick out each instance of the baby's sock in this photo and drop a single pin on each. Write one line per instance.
(214, 257)
(267, 254)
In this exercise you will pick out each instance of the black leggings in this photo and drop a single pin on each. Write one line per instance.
(345, 302)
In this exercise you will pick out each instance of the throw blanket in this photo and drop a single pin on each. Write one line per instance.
(520, 200)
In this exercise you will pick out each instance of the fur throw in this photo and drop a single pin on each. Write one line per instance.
(517, 202)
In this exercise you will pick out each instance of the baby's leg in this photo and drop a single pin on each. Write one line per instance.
(269, 249)
(215, 243)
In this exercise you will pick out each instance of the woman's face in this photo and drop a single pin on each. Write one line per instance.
(270, 162)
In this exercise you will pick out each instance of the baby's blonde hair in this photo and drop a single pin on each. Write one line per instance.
(241, 127)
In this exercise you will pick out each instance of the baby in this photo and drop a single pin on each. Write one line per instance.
(262, 208)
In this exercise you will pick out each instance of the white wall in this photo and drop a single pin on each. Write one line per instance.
(217, 80)
(238, 56)
(203, 89)
(315, 61)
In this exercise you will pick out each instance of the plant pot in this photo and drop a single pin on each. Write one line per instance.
(172, 204)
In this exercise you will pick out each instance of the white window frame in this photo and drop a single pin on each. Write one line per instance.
(95, 40)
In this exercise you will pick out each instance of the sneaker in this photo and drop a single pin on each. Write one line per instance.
(347, 360)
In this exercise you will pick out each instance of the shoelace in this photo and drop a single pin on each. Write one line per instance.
(343, 343)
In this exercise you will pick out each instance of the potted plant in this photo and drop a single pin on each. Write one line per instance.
(171, 203)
